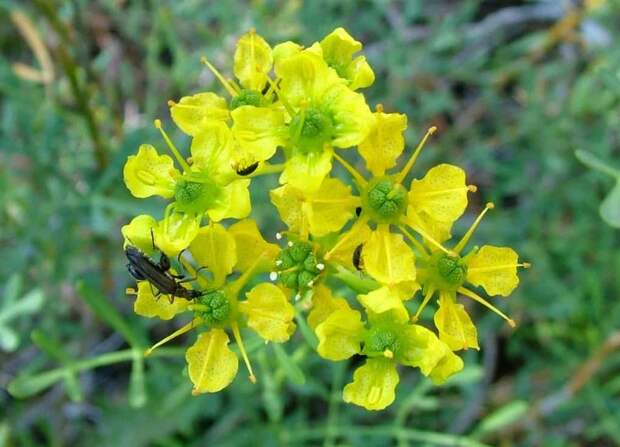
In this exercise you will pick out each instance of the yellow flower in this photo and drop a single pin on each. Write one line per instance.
(338, 49)
(386, 339)
(207, 186)
(446, 272)
(320, 212)
(321, 112)
(266, 309)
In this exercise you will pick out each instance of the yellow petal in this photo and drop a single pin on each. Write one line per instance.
(148, 173)
(323, 305)
(283, 51)
(175, 232)
(234, 201)
(330, 207)
(191, 113)
(455, 327)
(421, 348)
(350, 114)
(384, 143)
(288, 201)
(383, 300)
(495, 269)
(405, 290)
(342, 251)
(269, 313)
(148, 306)
(387, 258)
(214, 248)
(259, 130)
(373, 385)
(211, 364)
(448, 365)
(253, 61)
(340, 335)
(442, 193)
(438, 231)
(212, 149)
(138, 232)
(338, 49)
(360, 74)
(306, 171)
(305, 78)
(253, 252)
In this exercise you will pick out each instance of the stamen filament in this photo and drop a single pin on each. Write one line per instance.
(525, 265)
(188, 327)
(354, 229)
(465, 239)
(474, 296)
(265, 169)
(219, 77)
(285, 103)
(414, 241)
(354, 172)
(234, 85)
(244, 354)
(171, 146)
(430, 239)
(402, 174)
(427, 298)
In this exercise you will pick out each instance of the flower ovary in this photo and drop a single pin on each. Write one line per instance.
(386, 200)
(247, 97)
(217, 307)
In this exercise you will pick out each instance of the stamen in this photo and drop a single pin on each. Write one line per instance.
(468, 293)
(278, 236)
(320, 266)
(472, 188)
(219, 77)
(427, 298)
(274, 275)
(388, 354)
(465, 239)
(525, 265)
(234, 85)
(432, 241)
(401, 176)
(188, 327)
(273, 86)
(354, 172)
(379, 108)
(414, 241)
(244, 354)
(171, 146)
(131, 291)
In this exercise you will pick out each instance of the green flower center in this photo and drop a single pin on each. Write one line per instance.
(247, 97)
(386, 200)
(449, 271)
(311, 128)
(215, 308)
(195, 197)
(298, 266)
(380, 339)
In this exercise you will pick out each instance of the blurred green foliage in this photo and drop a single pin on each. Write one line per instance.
(515, 87)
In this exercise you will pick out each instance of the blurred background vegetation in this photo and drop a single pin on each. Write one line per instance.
(515, 87)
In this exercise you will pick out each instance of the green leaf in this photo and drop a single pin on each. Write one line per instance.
(54, 349)
(289, 366)
(610, 207)
(503, 417)
(28, 304)
(593, 162)
(9, 340)
(137, 391)
(103, 309)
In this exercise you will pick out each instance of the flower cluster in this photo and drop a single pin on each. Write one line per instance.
(382, 239)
